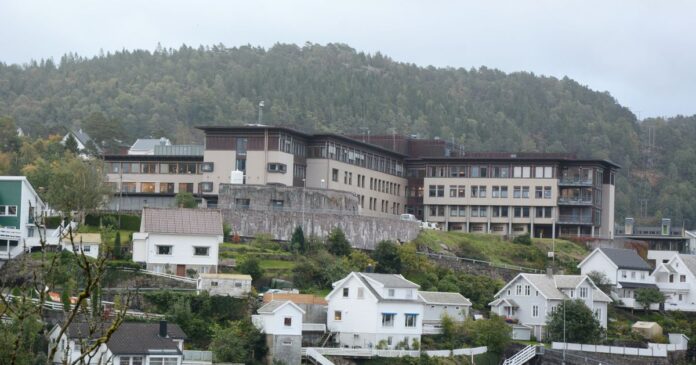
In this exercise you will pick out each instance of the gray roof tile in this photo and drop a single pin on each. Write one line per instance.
(625, 258)
(391, 280)
(182, 221)
(437, 297)
(133, 338)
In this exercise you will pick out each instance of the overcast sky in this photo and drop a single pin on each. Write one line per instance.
(642, 52)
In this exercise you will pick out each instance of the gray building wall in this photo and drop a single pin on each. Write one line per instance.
(284, 349)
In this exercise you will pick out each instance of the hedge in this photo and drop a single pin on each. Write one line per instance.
(128, 222)
(52, 222)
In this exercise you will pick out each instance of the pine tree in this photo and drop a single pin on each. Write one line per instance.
(117, 246)
(297, 242)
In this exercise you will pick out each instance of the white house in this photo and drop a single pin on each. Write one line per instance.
(176, 240)
(20, 205)
(529, 299)
(281, 321)
(438, 304)
(676, 279)
(89, 243)
(82, 139)
(368, 310)
(233, 285)
(625, 270)
(131, 344)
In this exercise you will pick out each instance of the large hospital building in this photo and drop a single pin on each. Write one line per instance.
(435, 180)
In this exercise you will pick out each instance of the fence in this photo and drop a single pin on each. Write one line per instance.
(197, 357)
(348, 352)
(161, 274)
(653, 350)
(482, 262)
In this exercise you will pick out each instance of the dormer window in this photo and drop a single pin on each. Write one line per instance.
(390, 292)
(287, 321)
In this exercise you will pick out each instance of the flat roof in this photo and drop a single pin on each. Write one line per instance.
(513, 157)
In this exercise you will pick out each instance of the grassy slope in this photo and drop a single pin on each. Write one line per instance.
(493, 248)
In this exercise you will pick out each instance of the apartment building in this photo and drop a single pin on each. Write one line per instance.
(504, 193)
(513, 194)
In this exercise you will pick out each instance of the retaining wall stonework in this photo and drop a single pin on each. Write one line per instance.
(363, 232)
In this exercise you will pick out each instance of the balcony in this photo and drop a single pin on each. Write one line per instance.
(574, 181)
(574, 219)
(574, 201)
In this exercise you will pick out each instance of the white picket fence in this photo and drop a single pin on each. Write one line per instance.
(653, 350)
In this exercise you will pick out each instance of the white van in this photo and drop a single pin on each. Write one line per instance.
(408, 217)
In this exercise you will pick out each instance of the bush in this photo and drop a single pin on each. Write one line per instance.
(129, 222)
(524, 239)
(52, 222)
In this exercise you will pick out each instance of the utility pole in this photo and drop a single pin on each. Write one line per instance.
(565, 343)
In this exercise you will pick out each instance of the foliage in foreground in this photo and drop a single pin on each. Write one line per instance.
(576, 321)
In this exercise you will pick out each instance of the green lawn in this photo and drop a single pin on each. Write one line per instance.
(276, 265)
(493, 248)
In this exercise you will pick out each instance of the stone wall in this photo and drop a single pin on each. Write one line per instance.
(362, 232)
(284, 349)
(475, 268)
(262, 197)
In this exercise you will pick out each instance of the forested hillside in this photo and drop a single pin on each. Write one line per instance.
(130, 94)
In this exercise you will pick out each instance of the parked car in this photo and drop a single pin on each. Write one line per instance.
(408, 217)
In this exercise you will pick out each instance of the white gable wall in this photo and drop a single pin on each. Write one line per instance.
(600, 263)
(145, 249)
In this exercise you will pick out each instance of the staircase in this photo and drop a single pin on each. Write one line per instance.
(325, 338)
(522, 356)
(316, 357)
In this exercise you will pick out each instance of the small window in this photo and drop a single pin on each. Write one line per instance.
(213, 283)
(410, 320)
(287, 342)
(201, 251)
(277, 204)
(277, 167)
(682, 278)
(164, 250)
(390, 292)
(207, 167)
(242, 203)
(334, 174)
(346, 292)
(361, 293)
(237, 284)
(388, 319)
(338, 315)
(287, 321)
(206, 187)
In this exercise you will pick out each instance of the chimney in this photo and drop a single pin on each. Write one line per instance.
(628, 226)
(549, 272)
(163, 329)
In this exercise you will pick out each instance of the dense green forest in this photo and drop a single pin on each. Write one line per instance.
(130, 94)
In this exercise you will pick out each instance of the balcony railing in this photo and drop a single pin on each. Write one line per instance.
(574, 201)
(573, 181)
(574, 219)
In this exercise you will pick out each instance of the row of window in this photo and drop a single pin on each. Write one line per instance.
(197, 250)
(164, 187)
(378, 185)
(182, 168)
(388, 319)
(495, 211)
(624, 275)
(154, 360)
(486, 171)
(526, 290)
(384, 207)
(358, 157)
(481, 191)
(9, 210)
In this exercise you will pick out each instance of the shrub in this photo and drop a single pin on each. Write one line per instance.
(524, 239)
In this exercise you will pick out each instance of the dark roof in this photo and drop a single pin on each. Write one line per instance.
(629, 285)
(182, 221)
(132, 338)
(391, 280)
(625, 258)
(251, 127)
(154, 158)
(504, 157)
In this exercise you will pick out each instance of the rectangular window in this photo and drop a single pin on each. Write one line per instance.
(548, 172)
(458, 171)
(205, 187)
(482, 191)
(167, 188)
(114, 167)
(277, 168)
(682, 278)
(240, 164)
(598, 313)
(8, 210)
(287, 321)
(547, 192)
(527, 290)
(128, 187)
(535, 311)
(538, 172)
(538, 192)
(147, 187)
(388, 319)
(436, 191)
(361, 293)
(525, 192)
(124, 360)
(164, 250)
(390, 293)
(495, 192)
(474, 191)
(526, 172)
(518, 212)
(334, 175)
(525, 212)
(518, 289)
(346, 292)
(503, 192)
(207, 167)
(149, 168)
(241, 146)
(187, 168)
(186, 187)
(517, 171)
(501, 172)
(201, 251)
(583, 292)
(453, 191)
(338, 315)
(517, 192)
(410, 320)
